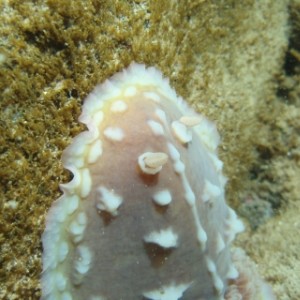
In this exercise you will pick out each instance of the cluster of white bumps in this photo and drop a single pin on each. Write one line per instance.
(144, 216)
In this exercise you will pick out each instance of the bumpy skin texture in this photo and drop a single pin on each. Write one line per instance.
(144, 216)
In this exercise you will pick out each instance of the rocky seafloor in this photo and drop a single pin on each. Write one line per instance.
(236, 62)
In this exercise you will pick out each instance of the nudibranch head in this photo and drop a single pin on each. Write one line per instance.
(144, 216)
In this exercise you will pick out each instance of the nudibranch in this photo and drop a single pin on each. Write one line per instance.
(144, 216)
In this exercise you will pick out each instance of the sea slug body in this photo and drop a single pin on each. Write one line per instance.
(144, 216)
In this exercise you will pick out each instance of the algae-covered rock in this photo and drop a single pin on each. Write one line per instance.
(236, 62)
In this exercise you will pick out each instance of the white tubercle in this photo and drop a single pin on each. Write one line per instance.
(220, 244)
(189, 194)
(62, 251)
(114, 133)
(86, 183)
(78, 222)
(190, 198)
(152, 162)
(179, 167)
(162, 116)
(208, 134)
(163, 197)
(216, 161)
(168, 292)
(165, 238)
(77, 227)
(233, 226)
(61, 281)
(78, 162)
(130, 91)
(181, 132)
(232, 273)
(84, 259)
(217, 281)
(95, 151)
(92, 103)
(98, 117)
(81, 218)
(118, 106)
(174, 153)
(190, 121)
(156, 127)
(72, 204)
(78, 148)
(107, 200)
(210, 191)
(152, 96)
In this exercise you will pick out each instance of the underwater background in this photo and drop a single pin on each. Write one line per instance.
(237, 62)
